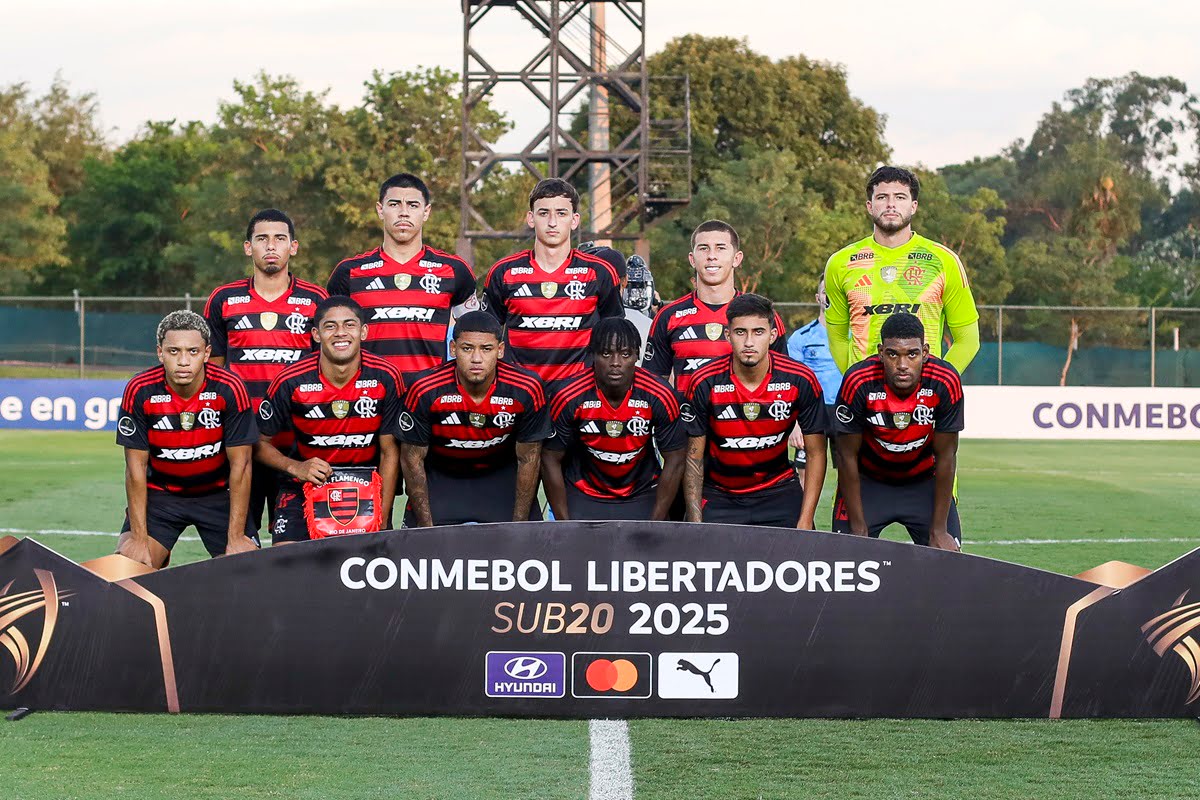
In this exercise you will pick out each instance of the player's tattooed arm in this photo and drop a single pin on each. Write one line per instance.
(849, 482)
(556, 485)
(389, 471)
(236, 540)
(814, 479)
(529, 459)
(416, 483)
(693, 478)
(668, 483)
(945, 453)
(136, 543)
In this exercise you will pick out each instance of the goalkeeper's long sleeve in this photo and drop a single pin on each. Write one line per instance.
(964, 346)
(839, 345)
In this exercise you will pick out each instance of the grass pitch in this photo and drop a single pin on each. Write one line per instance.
(1059, 506)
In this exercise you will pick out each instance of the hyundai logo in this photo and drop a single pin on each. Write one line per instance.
(525, 668)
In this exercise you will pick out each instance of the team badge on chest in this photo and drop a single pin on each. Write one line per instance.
(402, 281)
(187, 420)
(901, 419)
(268, 320)
(340, 408)
(751, 411)
(714, 330)
(614, 428)
(549, 289)
(477, 419)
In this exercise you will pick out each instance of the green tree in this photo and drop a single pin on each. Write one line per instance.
(31, 233)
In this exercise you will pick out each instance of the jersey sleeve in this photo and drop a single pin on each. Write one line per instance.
(132, 430)
(534, 424)
(610, 304)
(564, 429)
(464, 284)
(658, 358)
(339, 281)
(240, 428)
(694, 412)
(493, 300)
(850, 414)
(837, 305)
(811, 402)
(958, 301)
(669, 430)
(216, 325)
(948, 416)
(780, 344)
(275, 411)
(414, 424)
(392, 405)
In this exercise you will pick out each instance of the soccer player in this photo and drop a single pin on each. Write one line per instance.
(409, 290)
(740, 410)
(549, 298)
(471, 434)
(637, 294)
(187, 428)
(607, 423)
(896, 271)
(341, 403)
(260, 325)
(810, 346)
(690, 332)
(897, 420)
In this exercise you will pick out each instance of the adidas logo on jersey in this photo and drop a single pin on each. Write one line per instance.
(523, 291)
(728, 413)
(375, 284)
(453, 419)
(590, 427)
(243, 324)
(688, 333)
(863, 282)
(163, 424)
(316, 413)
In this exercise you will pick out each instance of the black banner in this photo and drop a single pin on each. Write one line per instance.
(570, 619)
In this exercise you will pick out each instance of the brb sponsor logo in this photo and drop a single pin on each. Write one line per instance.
(522, 674)
(698, 676)
(611, 675)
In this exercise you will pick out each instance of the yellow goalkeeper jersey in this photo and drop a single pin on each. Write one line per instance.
(866, 282)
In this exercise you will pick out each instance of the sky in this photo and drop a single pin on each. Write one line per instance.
(954, 80)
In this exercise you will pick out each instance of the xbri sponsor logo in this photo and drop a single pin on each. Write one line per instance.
(519, 674)
(694, 676)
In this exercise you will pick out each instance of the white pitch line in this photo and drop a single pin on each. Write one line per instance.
(609, 769)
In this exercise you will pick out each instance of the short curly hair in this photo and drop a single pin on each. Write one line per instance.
(183, 320)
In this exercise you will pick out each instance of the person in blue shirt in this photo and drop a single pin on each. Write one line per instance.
(809, 345)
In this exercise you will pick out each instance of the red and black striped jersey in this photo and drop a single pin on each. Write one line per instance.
(187, 439)
(408, 305)
(609, 450)
(689, 333)
(747, 430)
(466, 438)
(897, 433)
(342, 426)
(549, 316)
(259, 337)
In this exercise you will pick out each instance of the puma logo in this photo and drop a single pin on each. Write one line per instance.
(686, 666)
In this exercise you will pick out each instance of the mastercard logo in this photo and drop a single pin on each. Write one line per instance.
(611, 674)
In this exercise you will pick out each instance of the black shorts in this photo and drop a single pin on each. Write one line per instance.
(777, 507)
(910, 505)
(455, 500)
(168, 514)
(583, 506)
(264, 485)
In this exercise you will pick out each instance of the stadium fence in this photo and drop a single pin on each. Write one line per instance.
(85, 336)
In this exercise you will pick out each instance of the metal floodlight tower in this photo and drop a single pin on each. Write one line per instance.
(629, 182)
